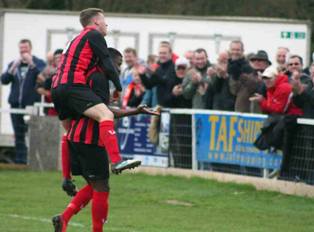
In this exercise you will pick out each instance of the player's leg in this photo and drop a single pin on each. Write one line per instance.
(78, 165)
(95, 169)
(65, 156)
(84, 101)
(100, 203)
(109, 138)
(107, 132)
(67, 185)
(58, 98)
(100, 87)
(77, 203)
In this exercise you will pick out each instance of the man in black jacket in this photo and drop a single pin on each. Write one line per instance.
(164, 78)
(22, 74)
(303, 94)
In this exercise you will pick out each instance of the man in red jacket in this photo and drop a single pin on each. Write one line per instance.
(278, 95)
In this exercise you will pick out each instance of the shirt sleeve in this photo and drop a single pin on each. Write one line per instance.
(99, 46)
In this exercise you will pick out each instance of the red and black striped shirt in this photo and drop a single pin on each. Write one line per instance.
(84, 130)
(83, 53)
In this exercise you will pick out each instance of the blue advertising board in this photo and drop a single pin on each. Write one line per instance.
(134, 141)
(228, 139)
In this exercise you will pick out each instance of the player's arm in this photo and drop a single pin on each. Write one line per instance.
(141, 109)
(99, 46)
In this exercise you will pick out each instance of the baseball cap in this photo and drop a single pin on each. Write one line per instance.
(270, 72)
(182, 62)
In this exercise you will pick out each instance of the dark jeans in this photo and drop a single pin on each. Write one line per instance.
(20, 129)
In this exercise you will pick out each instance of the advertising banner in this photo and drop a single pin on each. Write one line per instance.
(134, 141)
(228, 139)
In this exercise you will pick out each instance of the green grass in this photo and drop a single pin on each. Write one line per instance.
(141, 203)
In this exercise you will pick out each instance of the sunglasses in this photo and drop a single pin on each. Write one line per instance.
(295, 64)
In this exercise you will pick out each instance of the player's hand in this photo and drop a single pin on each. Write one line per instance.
(115, 96)
(69, 187)
(143, 109)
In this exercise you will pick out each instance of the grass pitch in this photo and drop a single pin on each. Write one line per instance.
(142, 203)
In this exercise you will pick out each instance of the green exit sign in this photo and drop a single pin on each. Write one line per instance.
(292, 35)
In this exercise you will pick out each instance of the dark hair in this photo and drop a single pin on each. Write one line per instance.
(130, 50)
(114, 53)
(58, 51)
(87, 14)
(26, 41)
(238, 42)
(297, 56)
(151, 58)
(166, 44)
(200, 50)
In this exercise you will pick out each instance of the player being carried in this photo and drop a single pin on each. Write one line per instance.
(71, 95)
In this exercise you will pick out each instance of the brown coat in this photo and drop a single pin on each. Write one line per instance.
(243, 89)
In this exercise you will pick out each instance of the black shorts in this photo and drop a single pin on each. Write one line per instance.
(100, 86)
(89, 161)
(71, 101)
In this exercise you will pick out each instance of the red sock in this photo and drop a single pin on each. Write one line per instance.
(108, 137)
(78, 202)
(99, 210)
(65, 158)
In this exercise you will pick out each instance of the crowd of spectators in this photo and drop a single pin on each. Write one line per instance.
(236, 82)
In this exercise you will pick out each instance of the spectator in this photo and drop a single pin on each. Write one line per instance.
(218, 96)
(49, 58)
(195, 83)
(259, 62)
(242, 82)
(163, 78)
(130, 59)
(281, 58)
(278, 95)
(295, 65)
(22, 74)
(189, 55)
(134, 92)
(50, 68)
(48, 73)
(174, 56)
(304, 94)
(152, 64)
(181, 67)
(150, 96)
(223, 57)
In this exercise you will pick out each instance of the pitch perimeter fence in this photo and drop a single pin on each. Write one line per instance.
(209, 140)
(218, 141)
